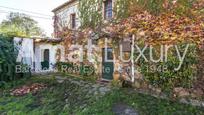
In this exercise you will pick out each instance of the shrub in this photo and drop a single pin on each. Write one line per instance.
(8, 63)
(163, 74)
(7, 60)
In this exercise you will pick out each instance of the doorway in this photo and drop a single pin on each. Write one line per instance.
(46, 60)
(107, 65)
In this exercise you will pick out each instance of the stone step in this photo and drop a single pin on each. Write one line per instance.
(104, 82)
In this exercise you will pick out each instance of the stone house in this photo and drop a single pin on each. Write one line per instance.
(68, 16)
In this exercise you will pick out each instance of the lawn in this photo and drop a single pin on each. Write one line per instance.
(71, 98)
(144, 104)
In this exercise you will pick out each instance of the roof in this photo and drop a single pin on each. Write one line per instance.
(48, 40)
(63, 5)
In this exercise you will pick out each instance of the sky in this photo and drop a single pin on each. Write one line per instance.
(39, 10)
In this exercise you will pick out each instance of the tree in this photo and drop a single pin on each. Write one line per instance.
(7, 60)
(18, 24)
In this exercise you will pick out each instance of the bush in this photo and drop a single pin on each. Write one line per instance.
(8, 63)
(163, 74)
(7, 60)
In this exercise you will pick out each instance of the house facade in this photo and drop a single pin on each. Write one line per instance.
(68, 16)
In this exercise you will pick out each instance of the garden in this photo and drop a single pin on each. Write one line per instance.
(76, 96)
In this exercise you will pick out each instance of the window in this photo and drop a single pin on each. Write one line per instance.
(73, 21)
(108, 10)
(107, 54)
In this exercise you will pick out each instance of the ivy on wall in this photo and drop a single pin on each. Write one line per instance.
(127, 7)
(156, 22)
(90, 12)
(163, 74)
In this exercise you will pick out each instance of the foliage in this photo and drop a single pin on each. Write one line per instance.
(53, 101)
(26, 89)
(138, 17)
(116, 83)
(57, 98)
(126, 11)
(156, 7)
(23, 104)
(7, 60)
(8, 55)
(21, 25)
(156, 22)
(90, 13)
(144, 104)
(125, 8)
(15, 83)
(163, 74)
(165, 29)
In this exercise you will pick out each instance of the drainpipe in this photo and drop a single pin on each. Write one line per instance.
(132, 59)
(34, 52)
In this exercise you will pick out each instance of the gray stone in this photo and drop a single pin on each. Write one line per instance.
(103, 93)
(181, 92)
(95, 86)
(87, 86)
(158, 90)
(95, 93)
(90, 91)
(104, 89)
(76, 82)
(202, 104)
(66, 100)
(60, 81)
(195, 102)
(93, 90)
(183, 101)
(123, 109)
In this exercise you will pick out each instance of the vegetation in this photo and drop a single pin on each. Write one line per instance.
(156, 7)
(154, 22)
(8, 55)
(144, 104)
(16, 25)
(91, 11)
(21, 25)
(164, 74)
(54, 100)
(7, 60)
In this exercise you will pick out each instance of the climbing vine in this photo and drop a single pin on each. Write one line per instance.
(90, 12)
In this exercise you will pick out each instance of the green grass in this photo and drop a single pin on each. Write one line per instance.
(144, 104)
(51, 101)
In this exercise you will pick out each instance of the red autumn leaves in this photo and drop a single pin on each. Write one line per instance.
(26, 89)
